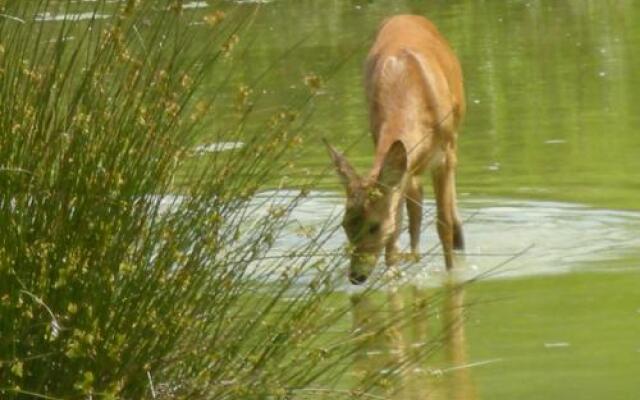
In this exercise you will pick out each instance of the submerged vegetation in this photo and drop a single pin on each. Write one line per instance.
(116, 282)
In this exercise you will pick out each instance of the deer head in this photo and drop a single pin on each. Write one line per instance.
(372, 214)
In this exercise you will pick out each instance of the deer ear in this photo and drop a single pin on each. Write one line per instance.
(394, 166)
(345, 171)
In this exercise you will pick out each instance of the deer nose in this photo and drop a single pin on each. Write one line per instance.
(361, 266)
(357, 279)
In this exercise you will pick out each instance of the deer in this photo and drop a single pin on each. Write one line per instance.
(414, 89)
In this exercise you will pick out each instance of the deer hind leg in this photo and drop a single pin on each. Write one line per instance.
(414, 211)
(458, 235)
(443, 186)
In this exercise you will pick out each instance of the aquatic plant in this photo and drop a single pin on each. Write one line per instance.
(117, 279)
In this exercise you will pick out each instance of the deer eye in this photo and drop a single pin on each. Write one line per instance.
(374, 228)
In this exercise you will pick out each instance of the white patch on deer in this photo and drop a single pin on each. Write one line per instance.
(393, 66)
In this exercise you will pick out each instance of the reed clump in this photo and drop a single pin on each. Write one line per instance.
(117, 281)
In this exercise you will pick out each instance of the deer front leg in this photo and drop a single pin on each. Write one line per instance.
(443, 186)
(391, 252)
(414, 211)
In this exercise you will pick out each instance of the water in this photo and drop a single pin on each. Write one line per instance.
(548, 158)
(542, 237)
(548, 164)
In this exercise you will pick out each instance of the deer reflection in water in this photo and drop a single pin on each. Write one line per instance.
(412, 345)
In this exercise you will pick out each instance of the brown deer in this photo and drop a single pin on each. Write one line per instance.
(413, 82)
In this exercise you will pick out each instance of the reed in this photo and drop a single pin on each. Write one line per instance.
(116, 281)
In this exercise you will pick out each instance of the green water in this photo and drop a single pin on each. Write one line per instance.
(553, 90)
(548, 156)
(504, 340)
(568, 337)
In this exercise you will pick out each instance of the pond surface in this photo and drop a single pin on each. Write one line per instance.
(552, 89)
(528, 237)
(549, 171)
(549, 158)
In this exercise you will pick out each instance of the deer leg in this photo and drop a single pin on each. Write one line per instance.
(414, 211)
(458, 235)
(443, 186)
(391, 252)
